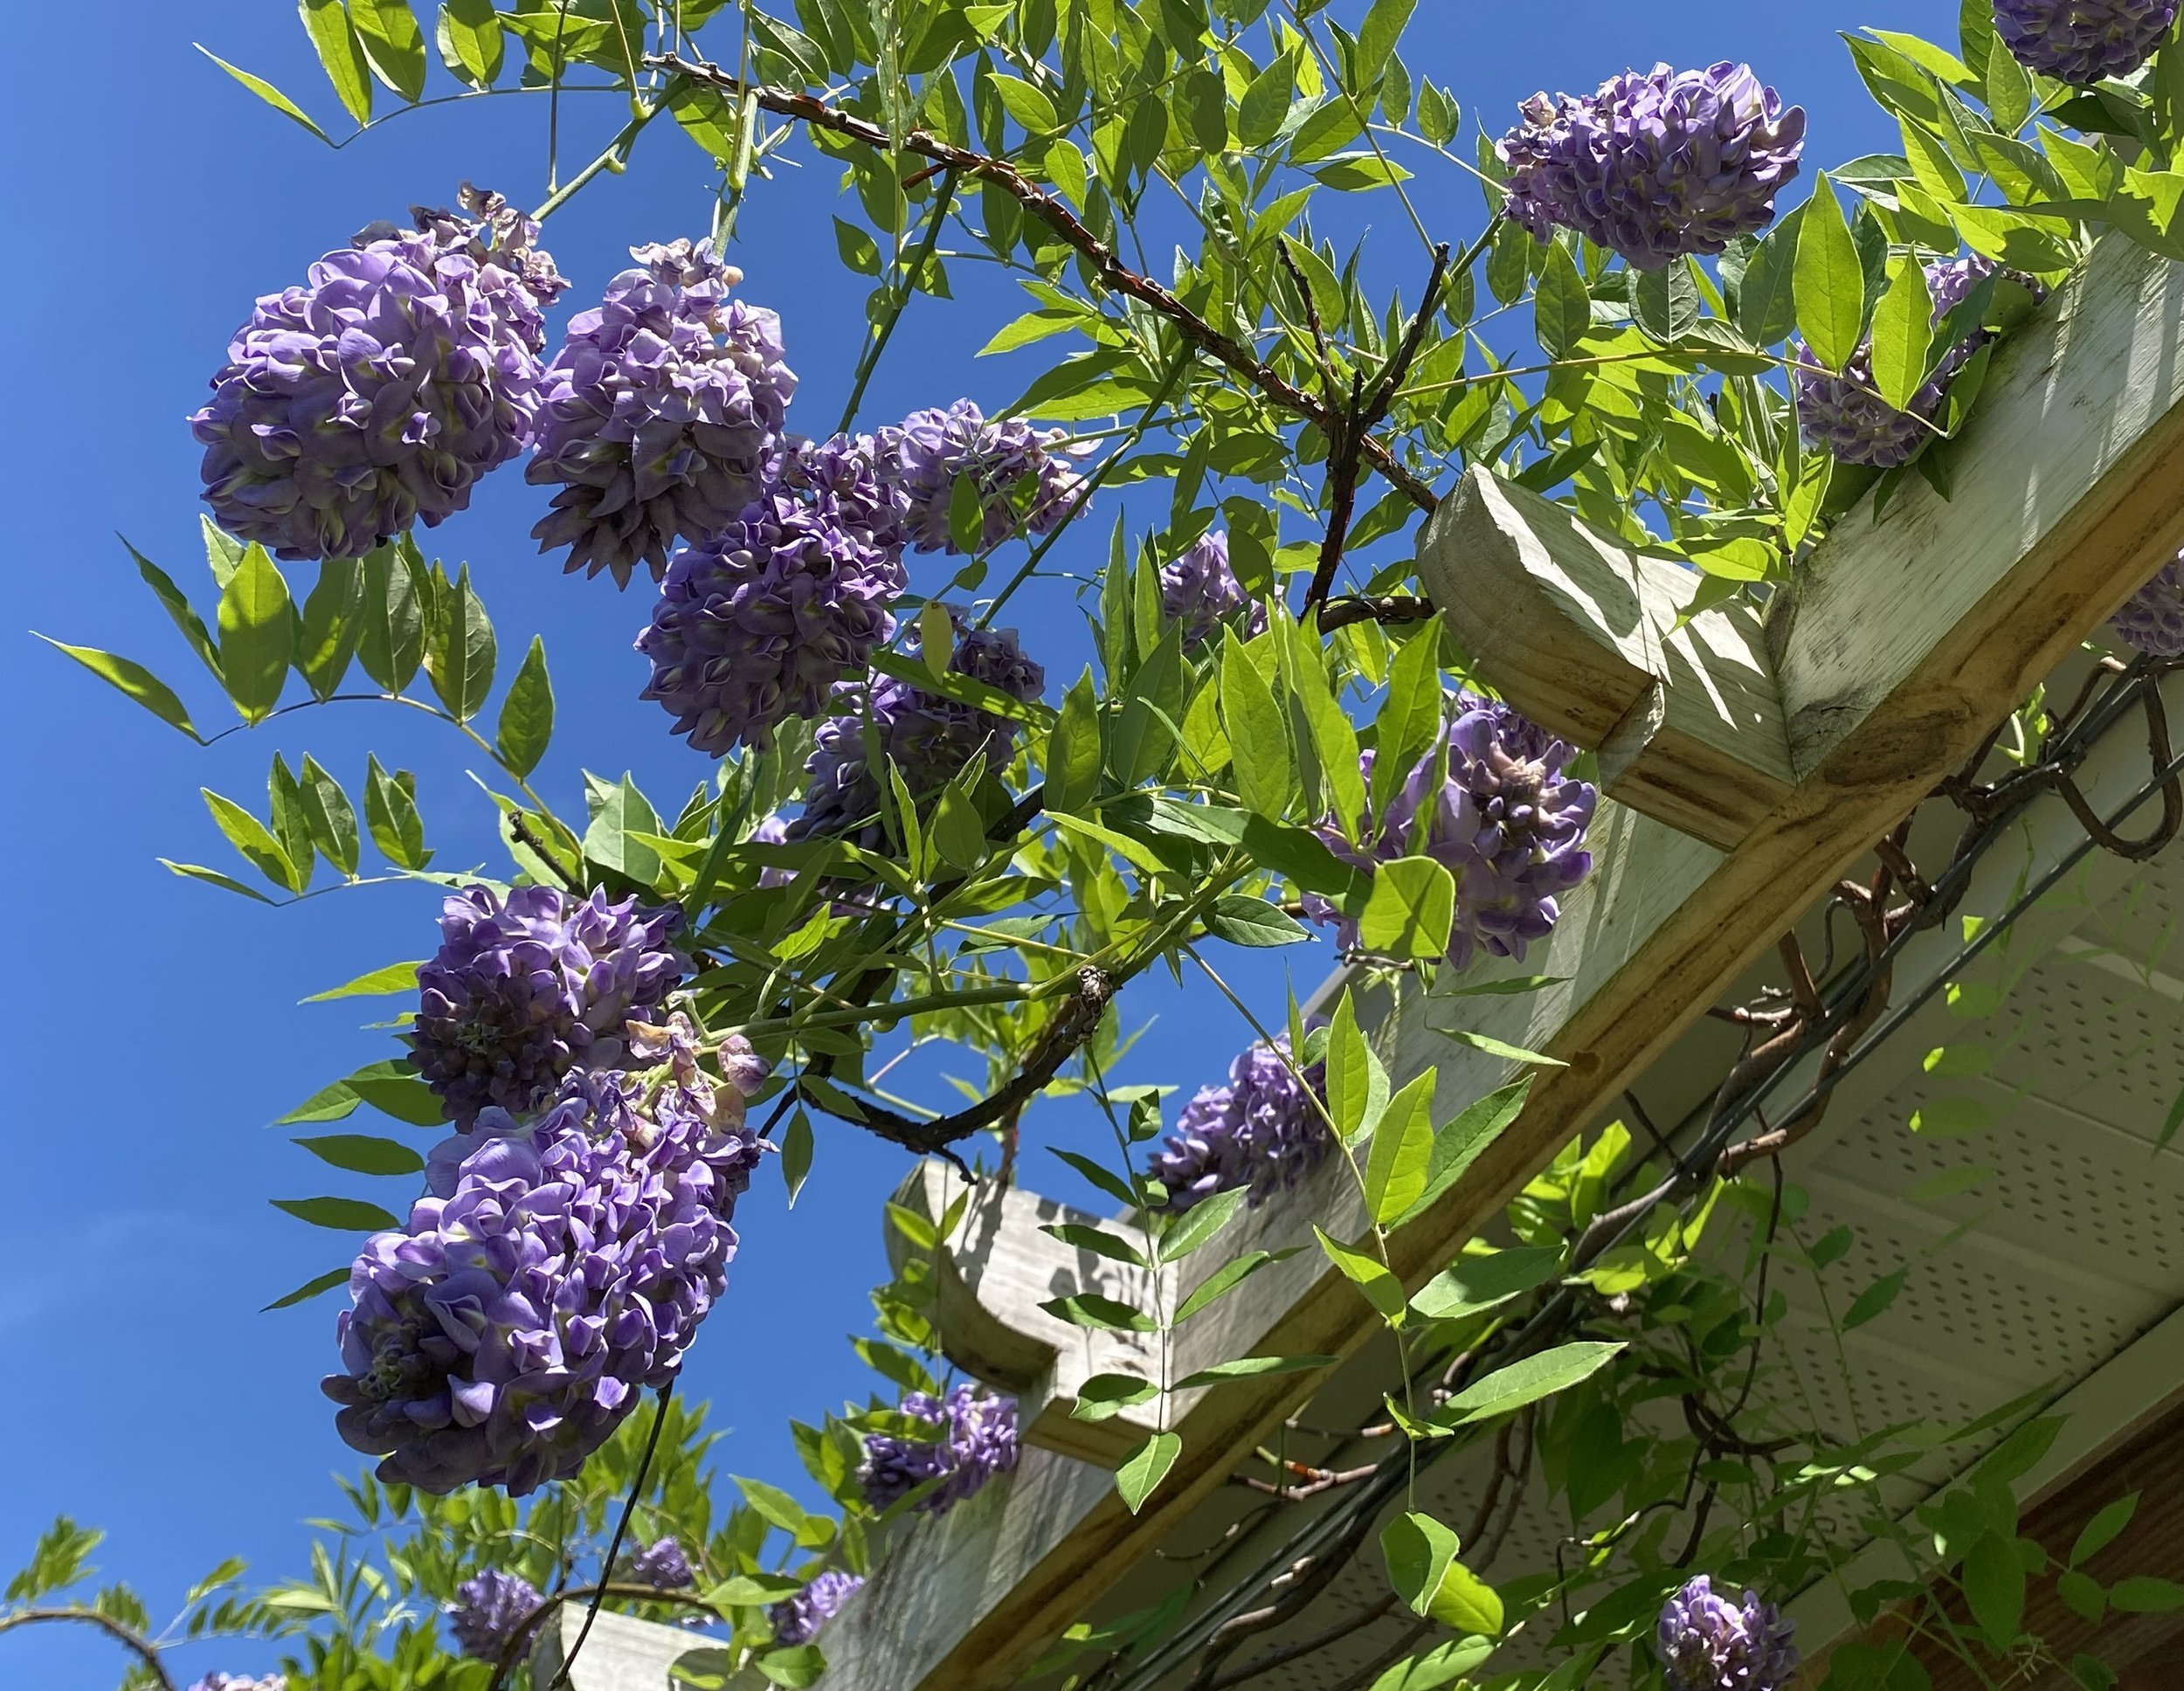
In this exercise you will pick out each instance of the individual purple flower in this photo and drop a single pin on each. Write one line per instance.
(660, 412)
(1008, 465)
(1200, 590)
(663, 1565)
(488, 1611)
(217, 1681)
(1656, 164)
(975, 1439)
(527, 987)
(759, 622)
(1263, 1132)
(1708, 1643)
(2152, 620)
(552, 1272)
(2083, 41)
(377, 395)
(929, 737)
(1490, 803)
(1842, 416)
(799, 1619)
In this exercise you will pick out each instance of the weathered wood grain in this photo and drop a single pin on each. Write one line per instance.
(1601, 645)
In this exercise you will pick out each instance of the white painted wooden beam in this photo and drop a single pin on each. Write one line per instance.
(620, 1653)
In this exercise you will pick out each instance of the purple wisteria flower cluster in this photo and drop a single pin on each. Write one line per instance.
(2081, 41)
(659, 412)
(527, 987)
(551, 1273)
(378, 393)
(1199, 589)
(975, 1439)
(217, 1681)
(487, 1611)
(1490, 801)
(1708, 1643)
(929, 737)
(1007, 464)
(2152, 620)
(1843, 415)
(760, 621)
(1263, 1132)
(1656, 165)
(664, 1565)
(799, 1619)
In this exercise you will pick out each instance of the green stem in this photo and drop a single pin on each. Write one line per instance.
(430, 709)
(617, 150)
(878, 345)
(1177, 365)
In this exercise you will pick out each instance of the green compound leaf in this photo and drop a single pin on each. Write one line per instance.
(1146, 1468)
(390, 978)
(1368, 1274)
(363, 1153)
(1527, 1382)
(1830, 280)
(1244, 920)
(1090, 1309)
(265, 91)
(309, 1289)
(132, 679)
(345, 1215)
(1402, 1151)
(257, 623)
(527, 715)
(393, 45)
(1410, 909)
(1074, 749)
(1253, 1368)
(342, 54)
(1902, 333)
(1419, 1550)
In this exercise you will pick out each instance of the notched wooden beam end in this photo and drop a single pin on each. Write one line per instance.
(1599, 644)
(991, 1278)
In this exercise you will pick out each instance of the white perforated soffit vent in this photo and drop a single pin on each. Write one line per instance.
(2038, 1277)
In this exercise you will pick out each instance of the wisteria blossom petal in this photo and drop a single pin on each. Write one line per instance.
(800, 1619)
(1492, 803)
(1008, 465)
(487, 1610)
(1263, 1132)
(1842, 415)
(974, 1440)
(1708, 1642)
(504, 1334)
(527, 987)
(929, 737)
(759, 622)
(659, 415)
(378, 393)
(1658, 164)
(2083, 41)
(2152, 620)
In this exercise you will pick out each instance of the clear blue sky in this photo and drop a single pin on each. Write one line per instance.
(155, 1023)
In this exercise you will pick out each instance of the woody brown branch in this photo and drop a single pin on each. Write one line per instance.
(1118, 278)
(1063, 1037)
(128, 1636)
(1352, 427)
